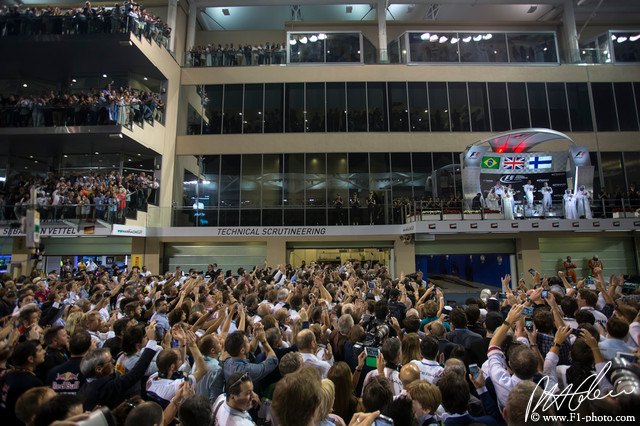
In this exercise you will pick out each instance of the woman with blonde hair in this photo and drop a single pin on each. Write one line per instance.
(73, 322)
(327, 396)
(410, 348)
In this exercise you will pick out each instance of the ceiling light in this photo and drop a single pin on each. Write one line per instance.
(349, 9)
(454, 40)
(467, 39)
(304, 40)
(31, 156)
(613, 36)
(635, 37)
(293, 42)
(622, 39)
(74, 81)
(487, 36)
(104, 76)
(145, 78)
(66, 156)
(478, 37)
(425, 36)
(322, 36)
(226, 12)
(313, 38)
(443, 39)
(97, 153)
(434, 37)
(24, 85)
(532, 9)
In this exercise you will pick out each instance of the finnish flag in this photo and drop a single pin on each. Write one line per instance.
(540, 162)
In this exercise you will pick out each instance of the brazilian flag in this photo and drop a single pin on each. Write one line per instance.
(490, 162)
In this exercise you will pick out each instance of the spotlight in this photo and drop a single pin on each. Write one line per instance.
(434, 37)
(24, 85)
(467, 39)
(622, 39)
(293, 42)
(454, 40)
(425, 36)
(634, 38)
(478, 37)
(487, 36)
(443, 39)
(104, 76)
(322, 36)
(313, 38)
(304, 40)
(145, 78)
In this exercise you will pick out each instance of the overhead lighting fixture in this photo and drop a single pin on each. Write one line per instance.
(97, 153)
(104, 76)
(304, 40)
(425, 36)
(322, 36)
(478, 37)
(532, 9)
(622, 39)
(313, 38)
(226, 12)
(74, 81)
(443, 39)
(467, 39)
(613, 37)
(349, 9)
(487, 36)
(293, 42)
(145, 78)
(433, 37)
(634, 38)
(454, 40)
(24, 85)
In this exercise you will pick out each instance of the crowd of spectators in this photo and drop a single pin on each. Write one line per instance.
(314, 345)
(130, 16)
(122, 106)
(218, 56)
(91, 195)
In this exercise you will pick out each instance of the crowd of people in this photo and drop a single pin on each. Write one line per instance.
(103, 196)
(130, 16)
(219, 56)
(123, 106)
(311, 345)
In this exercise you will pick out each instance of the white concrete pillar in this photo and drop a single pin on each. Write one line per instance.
(570, 32)
(172, 14)
(381, 12)
(191, 25)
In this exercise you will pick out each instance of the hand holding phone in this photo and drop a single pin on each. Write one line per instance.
(474, 370)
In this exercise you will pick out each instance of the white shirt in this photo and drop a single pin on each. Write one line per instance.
(503, 382)
(430, 370)
(392, 375)
(227, 416)
(310, 360)
(166, 388)
(599, 316)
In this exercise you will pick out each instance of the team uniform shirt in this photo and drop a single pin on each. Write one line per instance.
(392, 375)
(430, 370)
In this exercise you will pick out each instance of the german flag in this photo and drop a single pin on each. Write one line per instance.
(89, 229)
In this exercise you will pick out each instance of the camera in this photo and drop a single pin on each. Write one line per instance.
(623, 375)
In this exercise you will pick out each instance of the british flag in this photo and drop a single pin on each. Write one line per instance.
(513, 163)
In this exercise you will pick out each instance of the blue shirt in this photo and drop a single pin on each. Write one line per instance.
(162, 323)
(610, 347)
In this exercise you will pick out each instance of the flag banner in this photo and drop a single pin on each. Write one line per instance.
(543, 162)
(490, 162)
(513, 163)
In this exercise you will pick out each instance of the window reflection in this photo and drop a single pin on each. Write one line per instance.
(532, 48)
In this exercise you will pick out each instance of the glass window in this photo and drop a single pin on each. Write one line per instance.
(401, 183)
(194, 120)
(605, 108)
(271, 180)
(232, 115)
(380, 184)
(636, 91)
(213, 109)
(518, 105)
(293, 189)
(626, 107)
(579, 107)
(377, 103)
(613, 173)
(499, 108)
(252, 108)
(459, 106)
(210, 183)
(532, 48)
(337, 183)
(626, 46)
(358, 186)
(273, 107)
(422, 180)
(250, 185)
(538, 107)
(479, 102)
(316, 189)
(442, 176)
(558, 107)
(632, 168)
(438, 107)
(356, 107)
(336, 107)
(315, 119)
(398, 106)
(230, 190)
(304, 50)
(432, 47)
(418, 107)
(294, 106)
(482, 47)
(343, 47)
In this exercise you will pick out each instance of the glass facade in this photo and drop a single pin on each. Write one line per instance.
(413, 106)
(314, 48)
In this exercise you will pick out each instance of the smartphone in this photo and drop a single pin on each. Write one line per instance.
(528, 311)
(372, 352)
(532, 272)
(383, 421)
(576, 332)
(371, 284)
(473, 369)
(590, 284)
(528, 324)
(545, 293)
(626, 356)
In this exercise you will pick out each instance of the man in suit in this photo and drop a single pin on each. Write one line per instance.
(455, 399)
(480, 347)
(461, 335)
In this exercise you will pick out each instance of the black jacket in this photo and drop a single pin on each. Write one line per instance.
(111, 390)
